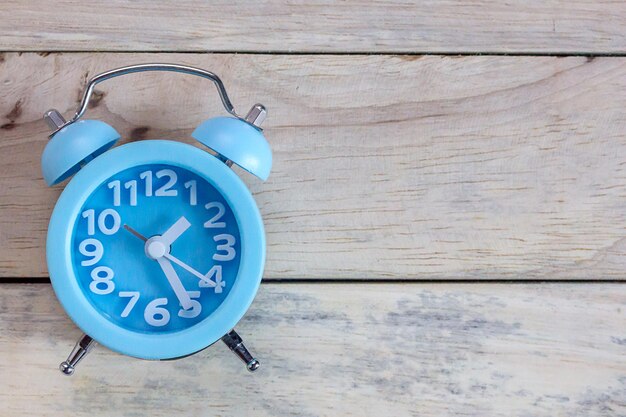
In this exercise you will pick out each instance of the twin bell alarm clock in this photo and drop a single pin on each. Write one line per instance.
(155, 248)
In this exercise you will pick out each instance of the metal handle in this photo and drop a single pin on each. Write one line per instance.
(235, 344)
(57, 125)
(82, 348)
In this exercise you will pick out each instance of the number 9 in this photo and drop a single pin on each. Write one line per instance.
(95, 254)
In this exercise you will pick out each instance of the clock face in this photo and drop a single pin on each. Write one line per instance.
(156, 248)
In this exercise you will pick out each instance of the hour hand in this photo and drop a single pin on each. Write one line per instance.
(156, 248)
(175, 231)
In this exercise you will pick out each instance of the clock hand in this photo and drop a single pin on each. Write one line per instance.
(174, 232)
(177, 286)
(135, 233)
(175, 260)
(167, 268)
(193, 271)
(180, 263)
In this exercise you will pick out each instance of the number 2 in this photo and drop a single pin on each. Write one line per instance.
(165, 190)
(213, 223)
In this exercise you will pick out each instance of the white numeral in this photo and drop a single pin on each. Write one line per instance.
(213, 223)
(147, 177)
(132, 186)
(134, 297)
(90, 215)
(165, 190)
(216, 270)
(227, 247)
(156, 315)
(196, 307)
(102, 275)
(95, 254)
(102, 221)
(117, 194)
(193, 192)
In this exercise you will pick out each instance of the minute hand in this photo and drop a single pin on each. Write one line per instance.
(177, 286)
(190, 269)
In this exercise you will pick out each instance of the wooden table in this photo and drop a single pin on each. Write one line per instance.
(446, 216)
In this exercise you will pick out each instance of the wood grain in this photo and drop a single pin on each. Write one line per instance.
(443, 26)
(392, 349)
(385, 166)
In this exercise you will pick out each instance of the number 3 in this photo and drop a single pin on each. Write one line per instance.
(226, 247)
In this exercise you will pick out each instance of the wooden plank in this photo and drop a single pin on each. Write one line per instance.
(445, 26)
(393, 349)
(385, 166)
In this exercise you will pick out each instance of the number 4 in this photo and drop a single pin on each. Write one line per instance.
(219, 284)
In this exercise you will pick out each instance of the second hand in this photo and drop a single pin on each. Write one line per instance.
(135, 233)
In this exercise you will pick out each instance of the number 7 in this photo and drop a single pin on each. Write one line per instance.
(134, 297)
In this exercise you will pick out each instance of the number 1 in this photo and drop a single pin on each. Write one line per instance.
(193, 192)
(117, 197)
(147, 177)
(132, 186)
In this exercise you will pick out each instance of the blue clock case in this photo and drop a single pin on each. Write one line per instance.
(252, 258)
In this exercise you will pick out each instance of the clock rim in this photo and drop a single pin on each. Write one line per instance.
(155, 345)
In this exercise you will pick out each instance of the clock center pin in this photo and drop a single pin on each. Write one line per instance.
(155, 248)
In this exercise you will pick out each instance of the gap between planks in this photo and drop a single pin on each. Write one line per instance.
(42, 280)
(345, 53)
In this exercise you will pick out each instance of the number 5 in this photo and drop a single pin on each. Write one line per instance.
(195, 309)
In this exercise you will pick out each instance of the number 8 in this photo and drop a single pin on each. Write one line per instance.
(96, 276)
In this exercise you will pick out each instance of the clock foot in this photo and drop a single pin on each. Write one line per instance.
(235, 344)
(82, 348)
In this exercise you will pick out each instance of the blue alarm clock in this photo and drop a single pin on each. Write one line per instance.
(155, 248)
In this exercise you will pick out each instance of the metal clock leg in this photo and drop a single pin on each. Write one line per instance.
(82, 348)
(235, 343)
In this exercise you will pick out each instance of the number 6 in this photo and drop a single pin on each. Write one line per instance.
(155, 309)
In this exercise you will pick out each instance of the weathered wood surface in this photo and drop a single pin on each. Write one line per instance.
(351, 350)
(448, 26)
(384, 166)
